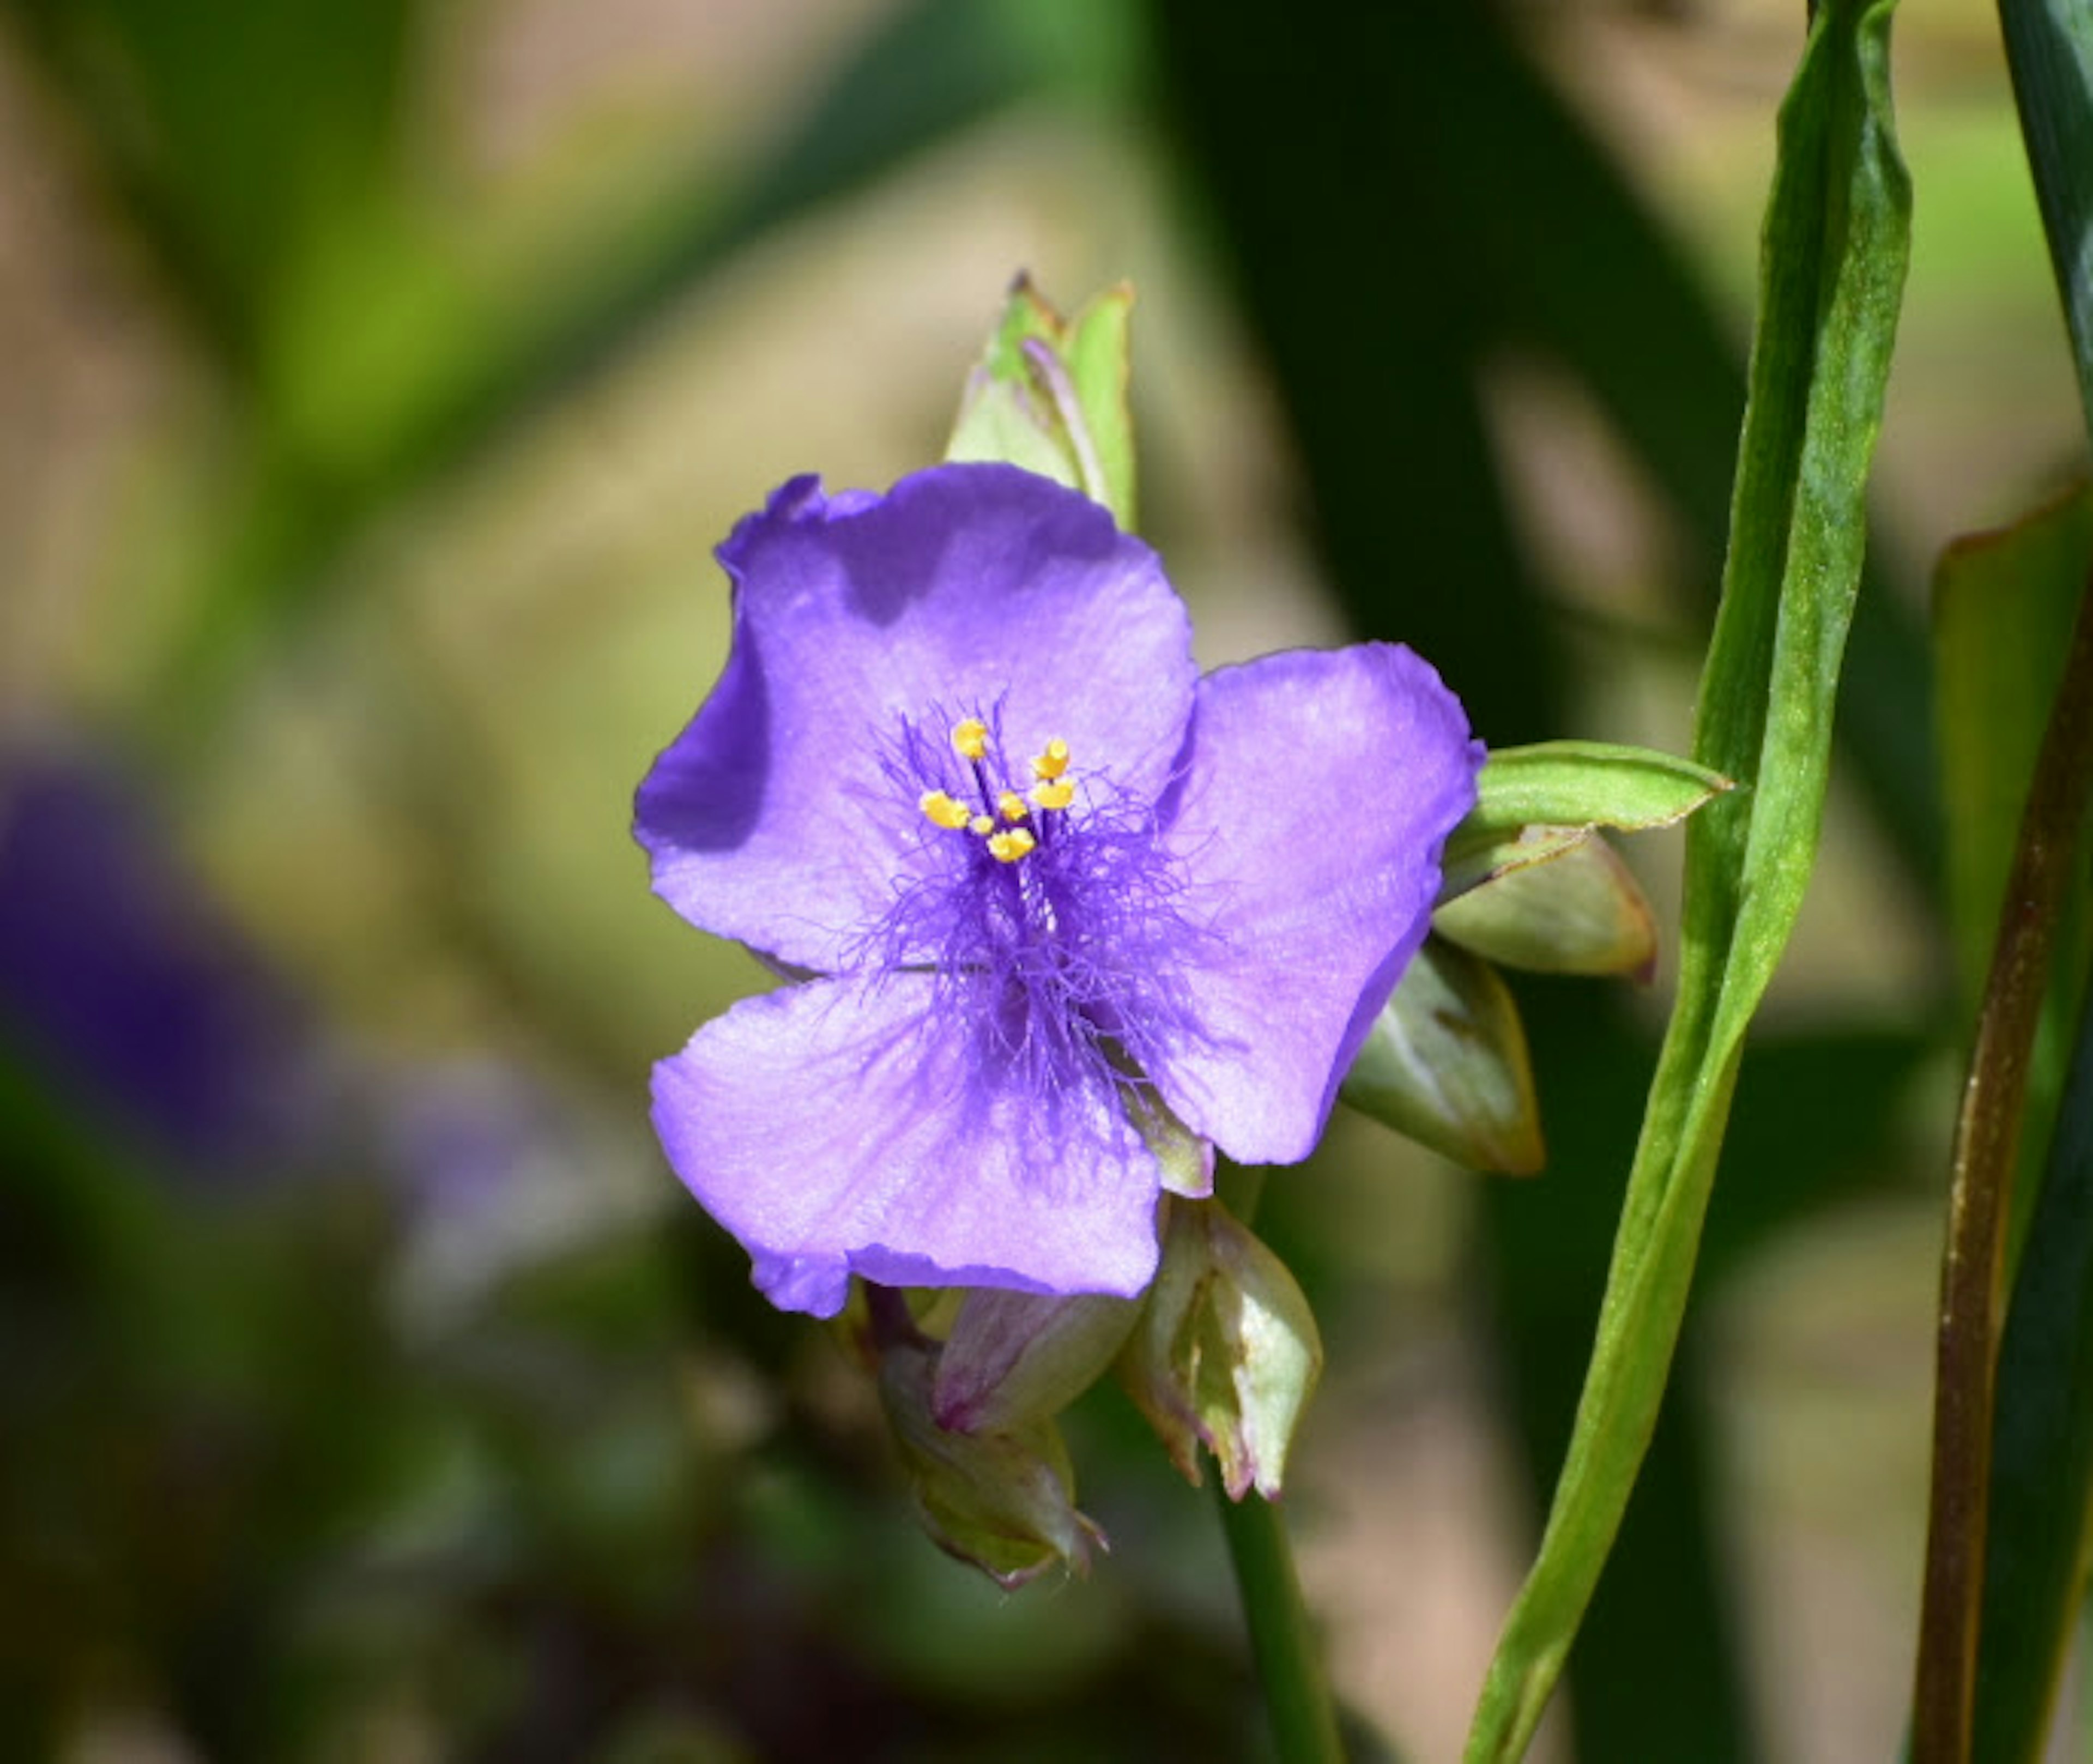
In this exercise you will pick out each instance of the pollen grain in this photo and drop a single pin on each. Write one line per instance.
(942, 810)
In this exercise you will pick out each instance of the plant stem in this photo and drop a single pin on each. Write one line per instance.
(1304, 1720)
(1290, 1665)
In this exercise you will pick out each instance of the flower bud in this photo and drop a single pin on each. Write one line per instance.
(1050, 395)
(1014, 1357)
(1446, 1063)
(1227, 1351)
(1003, 1502)
(1580, 911)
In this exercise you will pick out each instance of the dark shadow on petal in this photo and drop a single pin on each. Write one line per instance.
(902, 553)
(706, 791)
(893, 557)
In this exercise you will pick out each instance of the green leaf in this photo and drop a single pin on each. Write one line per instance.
(2049, 49)
(2002, 604)
(1571, 787)
(1446, 1063)
(2042, 1449)
(1831, 276)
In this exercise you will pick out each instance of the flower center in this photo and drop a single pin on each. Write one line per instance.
(997, 820)
(1042, 896)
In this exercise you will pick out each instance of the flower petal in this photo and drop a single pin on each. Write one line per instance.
(968, 589)
(838, 1128)
(1322, 787)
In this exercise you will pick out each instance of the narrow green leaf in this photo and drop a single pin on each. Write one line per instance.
(2042, 1449)
(1831, 276)
(2049, 49)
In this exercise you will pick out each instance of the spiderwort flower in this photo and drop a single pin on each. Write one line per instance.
(961, 778)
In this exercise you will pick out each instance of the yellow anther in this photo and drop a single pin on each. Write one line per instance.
(1057, 794)
(1012, 806)
(942, 810)
(1008, 847)
(970, 739)
(1052, 763)
(983, 824)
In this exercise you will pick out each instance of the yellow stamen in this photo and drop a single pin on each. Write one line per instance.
(1008, 847)
(1012, 806)
(970, 739)
(1052, 763)
(1057, 794)
(942, 810)
(982, 823)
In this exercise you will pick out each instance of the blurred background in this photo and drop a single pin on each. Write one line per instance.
(375, 380)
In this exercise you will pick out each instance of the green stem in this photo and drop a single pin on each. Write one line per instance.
(1304, 1720)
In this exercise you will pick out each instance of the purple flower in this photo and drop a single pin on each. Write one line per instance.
(962, 779)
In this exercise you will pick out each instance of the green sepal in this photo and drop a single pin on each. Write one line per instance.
(1226, 1354)
(1569, 787)
(1002, 1501)
(1446, 1063)
(1187, 1160)
(1581, 912)
(1050, 395)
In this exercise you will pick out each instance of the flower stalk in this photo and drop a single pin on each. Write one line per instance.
(1290, 1665)
(1283, 1640)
